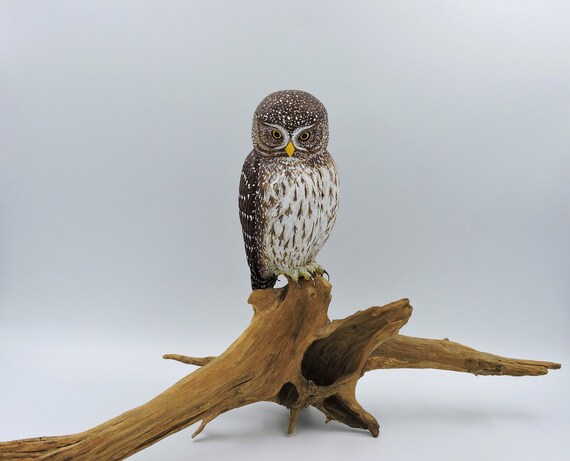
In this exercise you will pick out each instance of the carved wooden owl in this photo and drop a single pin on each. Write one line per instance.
(288, 193)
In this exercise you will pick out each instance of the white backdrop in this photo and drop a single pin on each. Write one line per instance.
(123, 128)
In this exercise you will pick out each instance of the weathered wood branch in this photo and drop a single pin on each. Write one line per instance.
(290, 354)
(408, 352)
(402, 351)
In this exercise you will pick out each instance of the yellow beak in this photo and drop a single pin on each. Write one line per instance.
(290, 149)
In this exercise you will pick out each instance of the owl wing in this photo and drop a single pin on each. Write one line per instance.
(250, 214)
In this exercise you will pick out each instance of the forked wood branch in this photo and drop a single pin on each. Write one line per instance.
(290, 354)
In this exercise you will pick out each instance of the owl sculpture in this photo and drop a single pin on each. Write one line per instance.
(288, 192)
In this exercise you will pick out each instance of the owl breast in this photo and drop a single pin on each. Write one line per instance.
(299, 201)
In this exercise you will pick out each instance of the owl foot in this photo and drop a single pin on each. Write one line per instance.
(294, 273)
(307, 272)
(316, 269)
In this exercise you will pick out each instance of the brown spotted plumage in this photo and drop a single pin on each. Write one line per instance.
(288, 194)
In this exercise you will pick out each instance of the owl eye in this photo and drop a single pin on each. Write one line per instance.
(305, 136)
(276, 135)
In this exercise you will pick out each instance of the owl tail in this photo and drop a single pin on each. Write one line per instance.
(258, 283)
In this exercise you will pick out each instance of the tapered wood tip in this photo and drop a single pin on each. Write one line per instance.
(402, 307)
(400, 303)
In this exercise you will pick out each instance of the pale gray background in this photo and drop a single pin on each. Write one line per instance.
(123, 128)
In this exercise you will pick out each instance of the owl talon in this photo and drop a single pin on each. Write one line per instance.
(327, 274)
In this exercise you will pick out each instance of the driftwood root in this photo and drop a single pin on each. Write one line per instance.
(290, 354)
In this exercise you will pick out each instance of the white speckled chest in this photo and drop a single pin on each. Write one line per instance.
(300, 201)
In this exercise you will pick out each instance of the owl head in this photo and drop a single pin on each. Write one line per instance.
(290, 123)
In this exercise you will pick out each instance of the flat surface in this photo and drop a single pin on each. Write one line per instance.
(123, 128)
